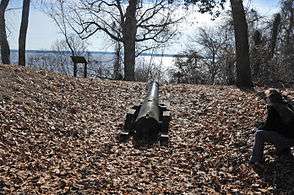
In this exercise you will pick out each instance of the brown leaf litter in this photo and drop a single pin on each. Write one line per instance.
(58, 135)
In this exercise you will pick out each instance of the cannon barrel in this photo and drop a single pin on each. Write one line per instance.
(147, 121)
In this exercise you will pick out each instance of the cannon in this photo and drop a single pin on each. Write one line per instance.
(148, 120)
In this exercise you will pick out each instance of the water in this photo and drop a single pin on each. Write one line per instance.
(100, 63)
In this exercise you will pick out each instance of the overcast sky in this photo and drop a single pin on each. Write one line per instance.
(42, 32)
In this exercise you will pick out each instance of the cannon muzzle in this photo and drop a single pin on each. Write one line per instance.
(148, 120)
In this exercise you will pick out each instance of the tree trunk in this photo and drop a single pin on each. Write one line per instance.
(256, 54)
(230, 73)
(213, 71)
(243, 79)
(23, 32)
(116, 65)
(5, 50)
(129, 40)
(274, 36)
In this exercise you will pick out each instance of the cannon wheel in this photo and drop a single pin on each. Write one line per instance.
(129, 122)
(165, 119)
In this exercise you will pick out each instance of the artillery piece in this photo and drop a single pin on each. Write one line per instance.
(148, 120)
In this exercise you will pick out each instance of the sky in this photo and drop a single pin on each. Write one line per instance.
(42, 32)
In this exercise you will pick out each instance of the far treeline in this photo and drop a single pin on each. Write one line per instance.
(246, 48)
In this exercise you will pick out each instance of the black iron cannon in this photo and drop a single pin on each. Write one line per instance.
(148, 120)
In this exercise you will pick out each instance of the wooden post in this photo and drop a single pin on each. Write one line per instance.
(85, 70)
(75, 70)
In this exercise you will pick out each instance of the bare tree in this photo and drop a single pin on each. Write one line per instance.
(210, 58)
(23, 32)
(274, 35)
(227, 54)
(146, 71)
(136, 22)
(5, 50)
(242, 46)
(212, 42)
(57, 12)
(287, 33)
(188, 68)
(117, 58)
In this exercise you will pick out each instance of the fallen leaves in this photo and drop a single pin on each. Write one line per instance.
(59, 134)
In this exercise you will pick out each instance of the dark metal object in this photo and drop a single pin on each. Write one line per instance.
(148, 120)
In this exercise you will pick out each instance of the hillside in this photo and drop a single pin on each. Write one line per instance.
(58, 134)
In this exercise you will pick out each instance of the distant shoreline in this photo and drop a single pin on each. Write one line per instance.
(96, 52)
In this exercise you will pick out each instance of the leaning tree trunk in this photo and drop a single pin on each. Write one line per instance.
(242, 47)
(23, 32)
(5, 50)
(129, 40)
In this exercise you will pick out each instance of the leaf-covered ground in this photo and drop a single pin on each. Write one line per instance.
(58, 134)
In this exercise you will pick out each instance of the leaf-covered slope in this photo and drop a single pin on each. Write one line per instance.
(59, 134)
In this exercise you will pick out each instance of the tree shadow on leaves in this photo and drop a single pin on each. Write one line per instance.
(247, 89)
(143, 142)
(279, 174)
